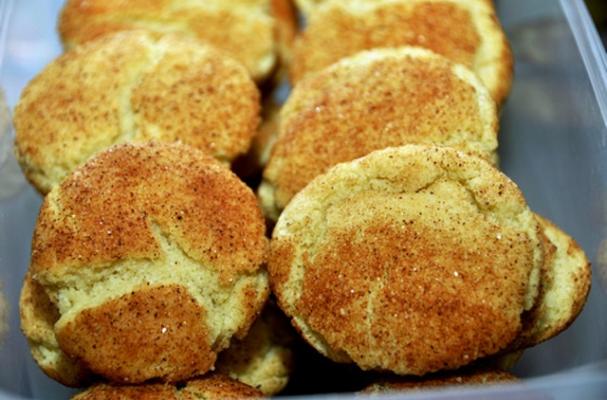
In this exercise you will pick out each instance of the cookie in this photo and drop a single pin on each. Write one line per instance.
(373, 100)
(152, 257)
(263, 359)
(213, 387)
(465, 31)
(132, 87)
(412, 259)
(565, 284)
(254, 32)
(38, 317)
(457, 378)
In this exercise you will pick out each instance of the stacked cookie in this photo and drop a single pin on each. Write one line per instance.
(258, 33)
(146, 262)
(398, 245)
(148, 254)
(417, 259)
(376, 99)
(464, 31)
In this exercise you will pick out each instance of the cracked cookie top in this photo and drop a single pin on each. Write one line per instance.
(465, 31)
(133, 87)
(412, 259)
(146, 252)
(258, 33)
(370, 101)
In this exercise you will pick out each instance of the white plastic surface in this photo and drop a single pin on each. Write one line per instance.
(553, 143)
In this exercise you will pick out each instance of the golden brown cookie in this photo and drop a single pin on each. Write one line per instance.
(565, 284)
(473, 377)
(465, 31)
(212, 387)
(131, 87)
(252, 31)
(263, 359)
(373, 100)
(38, 317)
(412, 259)
(308, 6)
(151, 255)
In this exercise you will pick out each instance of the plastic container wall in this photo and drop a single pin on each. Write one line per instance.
(553, 144)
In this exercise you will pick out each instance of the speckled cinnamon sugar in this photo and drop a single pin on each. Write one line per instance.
(309, 6)
(467, 32)
(412, 259)
(146, 252)
(133, 87)
(263, 359)
(213, 387)
(374, 100)
(257, 33)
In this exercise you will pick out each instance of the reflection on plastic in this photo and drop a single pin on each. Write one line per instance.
(3, 315)
(4, 129)
(10, 173)
(543, 73)
(601, 264)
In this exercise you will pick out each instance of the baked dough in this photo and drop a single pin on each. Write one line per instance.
(465, 31)
(412, 259)
(456, 378)
(264, 358)
(213, 387)
(565, 284)
(256, 32)
(376, 99)
(132, 87)
(151, 256)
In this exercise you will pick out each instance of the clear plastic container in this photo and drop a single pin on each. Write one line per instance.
(553, 143)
